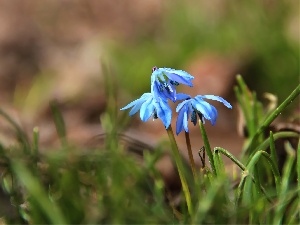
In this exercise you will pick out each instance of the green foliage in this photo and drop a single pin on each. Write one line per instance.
(108, 185)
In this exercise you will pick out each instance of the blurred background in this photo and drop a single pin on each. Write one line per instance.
(61, 49)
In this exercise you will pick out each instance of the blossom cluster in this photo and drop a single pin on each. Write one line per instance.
(163, 88)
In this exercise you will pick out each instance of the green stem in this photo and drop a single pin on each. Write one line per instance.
(272, 116)
(189, 148)
(273, 149)
(207, 147)
(179, 165)
(230, 156)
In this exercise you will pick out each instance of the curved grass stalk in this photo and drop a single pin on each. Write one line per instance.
(246, 170)
(283, 134)
(230, 156)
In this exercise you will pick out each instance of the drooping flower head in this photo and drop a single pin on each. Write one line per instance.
(163, 87)
(197, 106)
(165, 80)
(151, 106)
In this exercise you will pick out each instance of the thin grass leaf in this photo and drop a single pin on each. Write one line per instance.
(273, 150)
(207, 147)
(283, 134)
(230, 156)
(282, 200)
(35, 144)
(294, 208)
(275, 170)
(204, 205)
(240, 188)
(36, 191)
(251, 164)
(59, 123)
(271, 118)
(21, 135)
(219, 164)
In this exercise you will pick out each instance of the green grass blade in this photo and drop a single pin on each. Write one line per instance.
(219, 164)
(20, 133)
(207, 147)
(35, 146)
(59, 123)
(273, 150)
(230, 156)
(204, 206)
(272, 117)
(275, 171)
(283, 134)
(282, 200)
(38, 194)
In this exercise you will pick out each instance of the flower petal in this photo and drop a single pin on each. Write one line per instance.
(163, 111)
(217, 98)
(147, 110)
(180, 73)
(137, 101)
(163, 92)
(185, 119)
(202, 107)
(182, 96)
(179, 122)
(181, 104)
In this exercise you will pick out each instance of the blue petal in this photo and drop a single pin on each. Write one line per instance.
(210, 110)
(181, 104)
(182, 96)
(137, 101)
(202, 107)
(217, 98)
(185, 119)
(160, 91)
(163, 111)
(213, 115)
(179, 79)
(179, 122)
(135, 108)
(180, 73)
(147, 110)
(179, 76)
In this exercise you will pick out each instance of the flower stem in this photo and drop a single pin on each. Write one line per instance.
(207, 147)
(179, 165)
(189, 148)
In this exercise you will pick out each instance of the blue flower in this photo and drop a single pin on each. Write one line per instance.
(165, 80)
(191, 107)
(151, 106)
